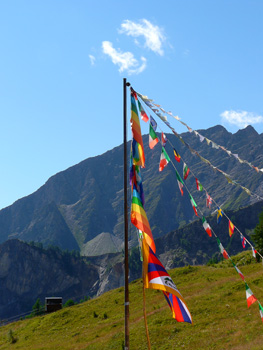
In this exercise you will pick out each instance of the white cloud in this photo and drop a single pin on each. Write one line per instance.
(125, 60)
(153, 35)
(92, 60)
(241, 118)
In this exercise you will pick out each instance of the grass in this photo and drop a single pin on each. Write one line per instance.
(215, 296)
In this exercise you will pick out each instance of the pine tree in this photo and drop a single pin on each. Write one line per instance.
(258, 235)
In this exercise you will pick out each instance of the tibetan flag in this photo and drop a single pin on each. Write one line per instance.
(180, 182)
(164, 160)
(156, 277)
(139, 218)
(254, 252)
(250, 296)
(178, 307)
(164, 139)
(208, 201)
(239, 272)
(207, 227)
(177, 156)
(193, 205)
(153, 123)
(261, 311)
(186, 171)
(144, 116)
(153, 139)
(198, 185)
(219, 215)
(231, 228)
(222, 249)
(137, 144)
(243, 241)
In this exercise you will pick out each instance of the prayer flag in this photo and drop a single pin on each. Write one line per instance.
(153, 123)
(164, 160)
(243, 241)
(250, 296)
(153, 139)
(222, 249)
(261, 311)
(208, 200)
(186, 171)
(231, 228)
(144, 116)
(207, 227)
(137, 181)
(164, 139)
(238, 271)
(254, 252)
(156, 277)
(198, 185)
(177, 156)
(180, 182)
(193, 205)
(219, 215)
(137, 143)
(139, 218)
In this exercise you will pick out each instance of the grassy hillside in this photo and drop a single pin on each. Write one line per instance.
(215, 296)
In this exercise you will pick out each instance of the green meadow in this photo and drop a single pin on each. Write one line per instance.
(215, 296)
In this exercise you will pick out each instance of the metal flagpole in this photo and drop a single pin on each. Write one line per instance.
(125, 178)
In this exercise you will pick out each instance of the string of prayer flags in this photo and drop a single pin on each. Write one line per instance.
(164, 139)
(137, 143)
(250, 296)
(222, 249)
(231, 228)
(243, 241)
(260, 311)
(219, 215)
(156, 277)
(208, 201)
(238, 271)
(180, 182)
(193, 204)
(186, 171)
(177, 156)
(207, 227)
(164, 160)
(139, 218)
(153, 139)
(144, 116)
(198, 185)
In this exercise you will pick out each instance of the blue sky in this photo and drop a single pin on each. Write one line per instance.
(63, 63)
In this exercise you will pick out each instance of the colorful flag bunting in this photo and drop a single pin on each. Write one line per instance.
(164, 160)
(177, 156)
(193, 205)
(231, 228)
(207, 227)
(164, 139)
(137, 143)
(261, 311)
(250, 296)
(254, 252)
(198, 185)
(222, 249)
(153, 123)
(186, 171)
(243, 241)
(208, 200)
(139, 218)
(180, 182)
(156, 277)
(153, 139)
(219, 215)
(144, 116)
